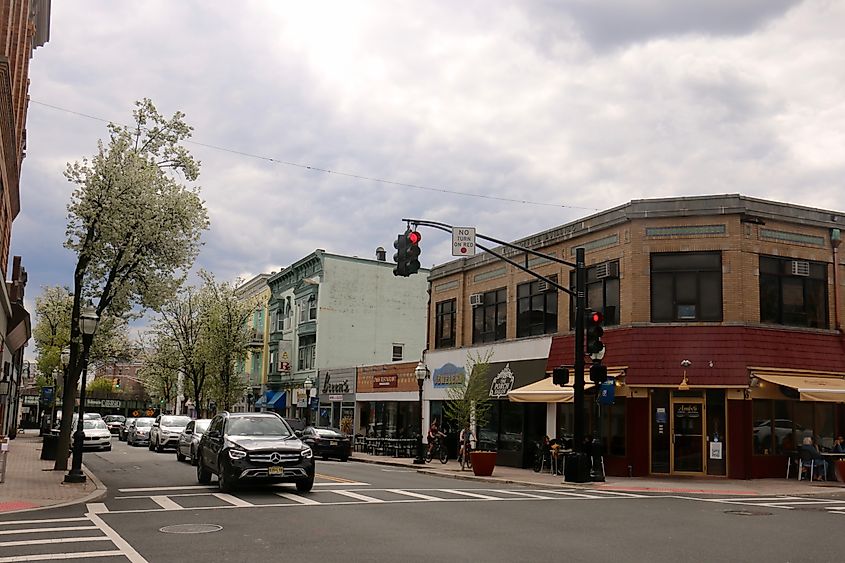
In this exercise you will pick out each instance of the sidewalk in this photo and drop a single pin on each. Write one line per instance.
(670, 485)
(31, 483)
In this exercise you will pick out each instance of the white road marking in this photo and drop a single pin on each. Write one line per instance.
(469, 494)
(573, 495)
(43, 541)
(298, 498)
(127, 550)
(153, 489)
(618, 493)
(413, 494)
(97, 508)
(233, 500)
(61, 556)
(348, 483)
(166, 503)
(522, 494)
(45, 521)
(357, 496)
(36, 530)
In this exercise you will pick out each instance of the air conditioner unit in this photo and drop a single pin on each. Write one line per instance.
(476, 299)
(800, 268)
(607, 270)
(544, 286)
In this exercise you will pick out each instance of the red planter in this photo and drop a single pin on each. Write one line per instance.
(483, 463)
(840, 469)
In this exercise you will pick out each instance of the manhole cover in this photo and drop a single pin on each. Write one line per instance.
(191, 529)
(747, 513)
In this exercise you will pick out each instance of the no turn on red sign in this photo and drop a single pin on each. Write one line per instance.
(463, 241)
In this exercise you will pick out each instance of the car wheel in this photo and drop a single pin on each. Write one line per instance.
(225, 481)
(158, 447)
(179, 455)
(193, 456)
(305, 486)
(203, 474)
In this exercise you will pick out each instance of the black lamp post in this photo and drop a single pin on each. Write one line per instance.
(421, 372)
(307, 385)
(249, 399)
(88, 320)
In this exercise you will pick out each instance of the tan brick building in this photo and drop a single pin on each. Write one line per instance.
(747, 290)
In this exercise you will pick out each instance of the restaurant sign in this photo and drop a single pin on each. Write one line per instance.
(448, 375)
(383, 381)
(502, 383)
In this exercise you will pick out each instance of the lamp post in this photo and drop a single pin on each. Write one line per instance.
(64, 357)
(307, 386)
(421, 372)
(88, 320)
(249, 399)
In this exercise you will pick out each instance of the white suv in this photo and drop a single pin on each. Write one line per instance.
(166, 430)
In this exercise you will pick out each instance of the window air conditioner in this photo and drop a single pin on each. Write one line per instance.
(800, 268)
(607, 270)
(476, 299)
(544, 286)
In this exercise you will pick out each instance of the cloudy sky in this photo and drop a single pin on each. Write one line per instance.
(569, 106)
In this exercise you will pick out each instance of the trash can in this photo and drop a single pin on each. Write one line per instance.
(577, 468)
(49, 446)
(4, 455)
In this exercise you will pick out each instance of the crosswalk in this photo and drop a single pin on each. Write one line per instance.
(207, 498)
(784, 502)
(56, 539)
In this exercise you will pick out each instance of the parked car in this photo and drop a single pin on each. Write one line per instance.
(139, 433)
(122, 431)
(97, 435)
(165, 431)
(114, 422)
(253, 446)
(327, 442)
(189, 438)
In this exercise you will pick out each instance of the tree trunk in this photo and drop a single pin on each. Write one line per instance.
(68, 405)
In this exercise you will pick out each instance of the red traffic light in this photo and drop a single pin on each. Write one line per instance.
(596, 317)
(414, 237)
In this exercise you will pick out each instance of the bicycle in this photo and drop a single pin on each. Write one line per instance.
(465, 457)
(541, 457)
(437, 452)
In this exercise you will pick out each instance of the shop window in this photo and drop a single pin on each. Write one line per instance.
(780, 427)
(793, 292)
(307, 351)
(611, 426)
(686, 286)
(444, 331)
(536, 308)
(490, 318)
(602, 292)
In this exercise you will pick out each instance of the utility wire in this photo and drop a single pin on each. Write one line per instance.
(335, 172)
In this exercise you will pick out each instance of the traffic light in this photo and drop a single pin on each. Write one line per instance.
(594, 333)
(560, 376)
(598, 372)
(407, 255)
(117, 382)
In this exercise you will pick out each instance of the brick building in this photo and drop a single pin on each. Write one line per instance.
(747, 291)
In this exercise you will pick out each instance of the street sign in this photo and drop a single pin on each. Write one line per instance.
(463, 241)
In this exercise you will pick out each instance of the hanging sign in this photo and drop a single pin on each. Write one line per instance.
(502, 383)
(715, 450)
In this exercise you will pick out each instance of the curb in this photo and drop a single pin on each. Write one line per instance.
(95, 495)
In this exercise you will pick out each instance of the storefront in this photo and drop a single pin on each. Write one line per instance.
(387, 401)
(336, 392)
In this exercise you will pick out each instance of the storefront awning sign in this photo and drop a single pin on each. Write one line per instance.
(448, 375)
(544, 391)
(502, 383)
(826, 389)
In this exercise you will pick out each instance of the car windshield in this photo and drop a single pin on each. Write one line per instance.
(201, 426)
(257, 426)
(327, 432)
(95, 424)
(181, 421)
(144, 422)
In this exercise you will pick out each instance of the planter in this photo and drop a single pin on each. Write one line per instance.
(483, 463)
(840, 469)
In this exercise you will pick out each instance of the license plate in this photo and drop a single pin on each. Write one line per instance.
(275, 470)
(333, 443)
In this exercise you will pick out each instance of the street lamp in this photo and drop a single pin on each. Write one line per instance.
(421, 372)
(88, 320)
(308, 384)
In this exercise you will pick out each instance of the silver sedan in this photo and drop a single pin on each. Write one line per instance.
(189, 438)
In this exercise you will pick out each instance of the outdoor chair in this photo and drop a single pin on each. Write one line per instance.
(806, 464)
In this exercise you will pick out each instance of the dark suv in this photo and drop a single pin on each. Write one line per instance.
(253, 446)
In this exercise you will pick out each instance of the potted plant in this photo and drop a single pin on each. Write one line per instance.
(469, 404)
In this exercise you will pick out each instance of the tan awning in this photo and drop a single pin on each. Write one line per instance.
(810, 388)
(544, 391)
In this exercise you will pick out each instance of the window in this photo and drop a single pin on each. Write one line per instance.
(536, 309)
(490, 319)
(273, 366)
(444, 331)
(280, 317)
(780, 427)
(686, 286)
(602, 292)
(793, 292)
(307, 351)
(308, 309)
(397, 352)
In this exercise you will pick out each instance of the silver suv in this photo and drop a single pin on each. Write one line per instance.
(166, 430)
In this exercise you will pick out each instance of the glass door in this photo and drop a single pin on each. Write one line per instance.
(688, 436)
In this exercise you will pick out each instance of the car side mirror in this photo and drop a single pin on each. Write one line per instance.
(189, 432)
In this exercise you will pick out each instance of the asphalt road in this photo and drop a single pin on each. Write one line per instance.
(363, 512)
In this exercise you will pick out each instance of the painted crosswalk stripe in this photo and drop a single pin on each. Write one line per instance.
(571, 494)
(166, 503)
(298, 498)
(347, 483)
(617, 493)
(357, 496)
(413, 494)
(45, 521)
(153, 489)
(234, 501)
(43, 541)
(37, 530)
(469, 494)
(523, 494)
(60, 556)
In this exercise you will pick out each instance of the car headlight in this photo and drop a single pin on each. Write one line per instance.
(237, 454)
(306, 453)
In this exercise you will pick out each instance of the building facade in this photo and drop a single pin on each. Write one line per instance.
(329, 314)
(722, 330)
(24, 26)
(253, 368)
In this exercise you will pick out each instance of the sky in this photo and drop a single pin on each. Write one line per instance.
(509, 116)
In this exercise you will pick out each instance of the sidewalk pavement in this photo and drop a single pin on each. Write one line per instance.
(669, 485)
(31, 482)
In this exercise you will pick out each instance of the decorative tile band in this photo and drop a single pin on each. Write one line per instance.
(686, 230)
(489, 275)
(597, 244)
(445, 286)
(539, 260)
(785, 236)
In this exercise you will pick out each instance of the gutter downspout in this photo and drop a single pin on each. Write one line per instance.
(835, 241)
